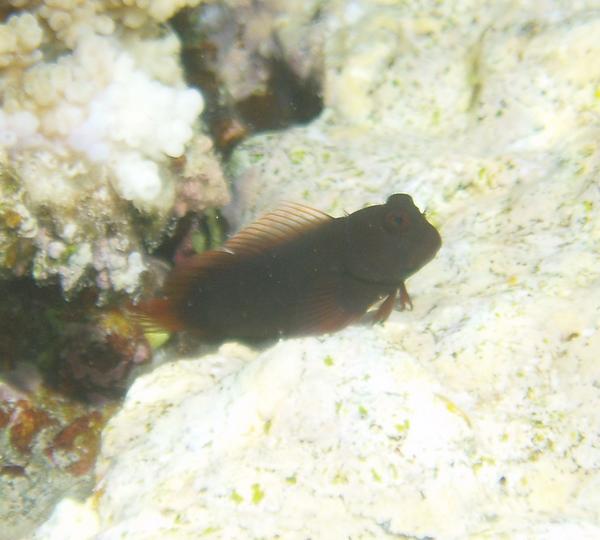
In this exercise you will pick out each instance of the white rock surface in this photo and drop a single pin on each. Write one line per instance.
(477, 415)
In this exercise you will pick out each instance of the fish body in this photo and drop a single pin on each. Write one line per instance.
(297, 271)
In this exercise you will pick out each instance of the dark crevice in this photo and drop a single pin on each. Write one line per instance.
(285, 98)
(77, 349)
(193, 233)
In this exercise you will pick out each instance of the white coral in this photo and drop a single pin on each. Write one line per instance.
(93, 107)
(97, 107)
(20, 37)
(71, 20)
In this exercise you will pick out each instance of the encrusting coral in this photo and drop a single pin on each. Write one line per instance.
(98, 131)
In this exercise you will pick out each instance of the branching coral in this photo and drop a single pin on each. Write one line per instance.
(70, 20)
(96, 122)
(20, 38)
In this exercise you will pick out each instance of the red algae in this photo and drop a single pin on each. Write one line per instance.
(78, 443)
(28, 423)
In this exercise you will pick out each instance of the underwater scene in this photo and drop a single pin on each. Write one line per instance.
(281, 269)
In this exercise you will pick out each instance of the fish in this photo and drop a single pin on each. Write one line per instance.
(297, 271)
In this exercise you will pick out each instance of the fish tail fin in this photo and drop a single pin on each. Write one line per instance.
(156, 315)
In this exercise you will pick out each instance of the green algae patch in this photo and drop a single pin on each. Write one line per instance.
(257, 494)
(156, 339)
(403, 427)
(199, 242)
(236, 497)
(338, 407)
(328, 361)
(297, 156)
(340, 478)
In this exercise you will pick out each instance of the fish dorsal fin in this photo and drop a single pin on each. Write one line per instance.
(289, 221)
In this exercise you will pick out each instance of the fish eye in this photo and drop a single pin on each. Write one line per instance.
(396, 221)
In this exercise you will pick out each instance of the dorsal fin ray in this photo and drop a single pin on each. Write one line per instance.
(286, 222)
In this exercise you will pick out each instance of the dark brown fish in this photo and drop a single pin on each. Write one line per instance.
(297, 271)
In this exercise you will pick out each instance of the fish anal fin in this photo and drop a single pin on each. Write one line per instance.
(289, 221)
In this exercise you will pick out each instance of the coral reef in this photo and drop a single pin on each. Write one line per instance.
(98, 137)
(476, 414)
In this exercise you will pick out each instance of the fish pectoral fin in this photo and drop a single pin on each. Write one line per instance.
(405, 301)
(326, 322)
(322, 312)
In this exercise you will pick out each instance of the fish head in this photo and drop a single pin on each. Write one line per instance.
(389, 242)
